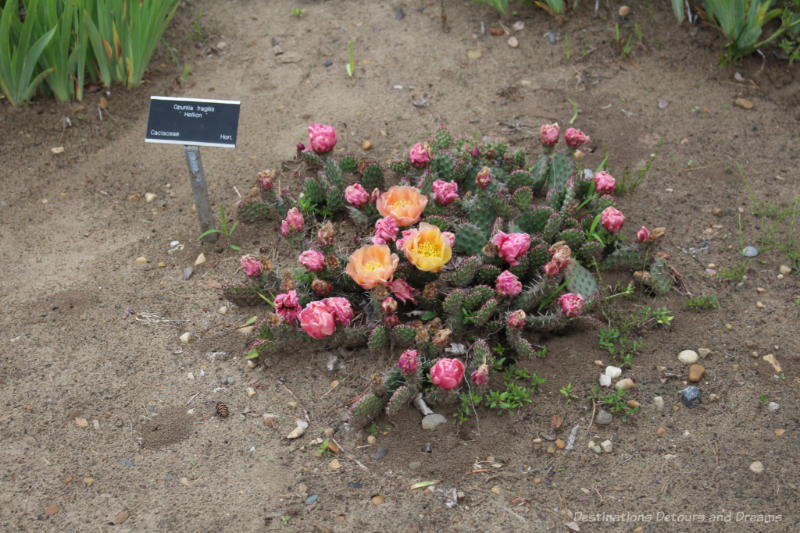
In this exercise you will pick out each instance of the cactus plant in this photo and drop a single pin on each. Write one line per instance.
(581, 281)
(372, 177)
(378, 338)
(401, 397)
(365, 409)
(252, 209)
(470, 239)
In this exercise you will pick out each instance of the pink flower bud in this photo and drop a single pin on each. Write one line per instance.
(294, 221)
(251, 266)
(285, 229)
(389, 305)
(419, 156)
(571, 304)
(511, 246)
(507, 284)
(612, 219)
(391, 320)
(321, 287)
(484, 178)
(575, 138)
(326, 234)
(643, 235)
(385, 231)
(312, 260)
(516, 319)
(444, 192)
(266, 179)
(408, 362)
(374, 195)
(317, 320)
(356, 195)
(301, 147)
(604, 183)
(480, 377)
(551, 269)
(449, 237)
(321, 137)
(447, 373)
(341, 309)
(549, 134)
(475, 152)
(287, 306)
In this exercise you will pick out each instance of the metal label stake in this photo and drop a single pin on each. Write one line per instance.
(197, 179)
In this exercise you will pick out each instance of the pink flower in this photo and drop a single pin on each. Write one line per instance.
(612, 219)
(507, 284)
(408, 362)
(356, 195)
(444, 192)
(571, 304)
(341, 309)
(483, 178)
(516, 319)
(512, 246)
(374, 195)
(403, 291)
(294, 221)
(287, 306)
(285, 229)
(604, 183)
(575, 138)
(449, 237)
(391, 320)
(562, 256)
(251, 266)
(551, 269)
(265, 182)
(549, 134)
(475, 152)
(407, 233)
(385, 230)
(480, 377)
(643, 235)
(447, 373)
(419, 156)
(317, 320)
(322, 137)
(389, 305)
(312, 260)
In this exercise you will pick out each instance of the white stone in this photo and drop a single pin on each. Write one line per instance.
(688, 357)
(200, 259)
(605, 380)
(149, 197)
(613, 372)
(250, 392)
(659, 403)
(772, 406)
(607, 446)
(756, 467)
(186, 338)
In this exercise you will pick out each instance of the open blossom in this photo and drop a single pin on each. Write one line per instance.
(571, 304)
(447, 373)
(426, 249)
(403, 291)
(251, 266)
(480, 376)
(419, 155)
(356, 195)
(643, 235)
(326, 234)
(516, 319)
(512, 246)
(408, 362)
(562, 256)
(403, 203)
(612, 219)
(507, 284)
(312, 260)
(294, 221)
(317, 320)
(604, 183)
(575, 138)
(444, 192)
(551, 269)
(385, 230)
(287, 306)
(372, 265)
(322, 137)
(341, 309)
(483, 178)
(549, 134)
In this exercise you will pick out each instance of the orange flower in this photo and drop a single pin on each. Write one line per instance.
(404, 204)
(426, 248)
(372, 265)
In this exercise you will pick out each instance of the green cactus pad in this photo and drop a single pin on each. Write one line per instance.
(537, 257)
(478, 296)
(552, 226)
(401, 397)
(521, 268)
(522, 198)
(483, 212)
(313, 191)
(313, 159)
(486, 311)
(454, 302)
(519, 159)
(660, 276)
(378, 338)
(365, 410)
(334, 173)
(606, 201)
(519, 344)
(357, 216)
(464, 275)
(443, 139)
(546, 321)
(481, 351)
(372, 177)
(539, 173)
(562, 167)
(349, 163)
(534, 220)
(624, 257)
(574, 238)
(581, 281)
(242, 294)
(398, 166)
(487, 274)
(252, 210)
(404, 335)
(519, 178)
(591, 251)
(470, 239)
(438, 221)
(335, 199)
(442, 166)
(534, 294)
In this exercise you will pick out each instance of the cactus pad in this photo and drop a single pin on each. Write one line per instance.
(470, 239)
(252, 210)
(581, 281)
(365, 410)
(402, 396)
(378, 338)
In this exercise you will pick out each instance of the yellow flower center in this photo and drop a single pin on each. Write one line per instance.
(373, 266)
(399, 204)
(429, 249)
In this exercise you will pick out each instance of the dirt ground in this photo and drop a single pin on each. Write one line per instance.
(108, 420)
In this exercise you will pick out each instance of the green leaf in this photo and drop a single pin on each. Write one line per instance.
(251, 320)
(252, 354)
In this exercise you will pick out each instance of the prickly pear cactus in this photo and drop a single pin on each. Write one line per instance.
(335, 199)
(660, 277)
(242, 294)
(522, 198)
(379, 338)
(349, 163)
(581, 281)
(485, 312)
(334, 173)
(313, 191)
(252, 210)
(626, 256)
(404, 335)
(365, 410)
(590, 252)
(470, 239)
(546, 321)
(464, 275)
(402, 396)
(478, 296)
(372, 177)
(487, 274)
(443, 139)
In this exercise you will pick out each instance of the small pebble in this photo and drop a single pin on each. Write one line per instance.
(625, 384)
(769, 358)
(497, 490)
(186, 338)
(551, 37)
(57, 150)
(696, 373)
(366, 145)
(250, 392)
(560, 444)
(760, 305)
(161, 264)
(200, 259)
(658, 401)
(81, 422)
(328, 433)
(334, 465)
(474, 54)
(222, 310)
(756, 467)
(690, 396)
(729, 327)
(142, 259)
(187, 273)
(311, 499)
(427, 448)
(377, 500)
(703, 352)
(779, 432)
(603, 418)
(785, 270)
(432, 421)
(149, 197)
(750, 251)
(513, 42)
(518, 26)
(613, 371)
(624, 11)
(380, 453)
(372, 439)
(661, 430)
(607, 446)
(222, 45)
(687, 357)
(327, 63)
(400, 15)
(773, 406)
(605, 380)
(744, 103)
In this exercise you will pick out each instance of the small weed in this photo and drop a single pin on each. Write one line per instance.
(285, 519)
(735, 274)
(698, 303)
(763, 399)
(297, 12)
(630, 181)
(373, 430)
(567, 51)
(228, 232)
(469, 401)
(567, 392)
(351, 64)
(614, 402)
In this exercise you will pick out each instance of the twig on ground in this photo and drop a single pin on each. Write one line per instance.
(594, 407)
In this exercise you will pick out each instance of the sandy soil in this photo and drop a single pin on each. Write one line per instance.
(90, 336)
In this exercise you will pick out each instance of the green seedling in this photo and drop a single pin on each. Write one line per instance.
(567, 393)
(698, 303)
(574, 110)
(297, 12)
(614, 402)
(568, 53)
(228, 232)
(351, 64)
